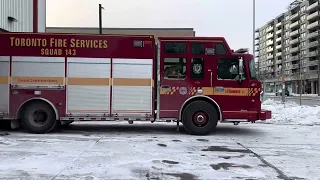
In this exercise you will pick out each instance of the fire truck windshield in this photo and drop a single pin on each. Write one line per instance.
(253, 72)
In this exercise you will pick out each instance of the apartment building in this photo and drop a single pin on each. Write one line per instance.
(290, 39)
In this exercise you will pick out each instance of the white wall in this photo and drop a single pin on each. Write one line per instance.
(22, 10)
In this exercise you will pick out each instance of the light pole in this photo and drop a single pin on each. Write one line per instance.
(254, 32)
(100, 18)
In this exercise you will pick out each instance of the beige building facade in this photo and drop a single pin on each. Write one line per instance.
(156, 32)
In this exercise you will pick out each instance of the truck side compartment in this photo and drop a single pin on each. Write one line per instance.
(81, 77)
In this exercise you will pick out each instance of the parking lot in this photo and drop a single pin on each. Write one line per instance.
(157, 151)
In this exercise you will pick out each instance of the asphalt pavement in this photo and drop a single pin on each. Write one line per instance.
(309, 101)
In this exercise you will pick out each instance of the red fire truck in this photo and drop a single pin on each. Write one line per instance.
(49, 79)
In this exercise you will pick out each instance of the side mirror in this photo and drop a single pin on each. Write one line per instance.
(241, 72)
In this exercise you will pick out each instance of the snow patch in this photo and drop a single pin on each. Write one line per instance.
(306, 95)
(292, 113)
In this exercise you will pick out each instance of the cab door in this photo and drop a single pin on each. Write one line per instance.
(201, 67)
(174, 67)
(231, 87)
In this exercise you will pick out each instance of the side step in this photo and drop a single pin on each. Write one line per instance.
(104, 119)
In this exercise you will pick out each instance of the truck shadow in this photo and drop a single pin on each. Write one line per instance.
(156, 128)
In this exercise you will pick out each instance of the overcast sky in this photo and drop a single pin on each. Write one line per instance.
(231, 19)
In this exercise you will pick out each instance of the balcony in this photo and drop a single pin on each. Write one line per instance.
(278, 24)
(278, 54)
(278, 39)
(269, 50)
(269, 36)
(294, 49)
(294, 41)
(295, 66)
(313, 44)
(278, 61)
(312, 53)
(314, 34)
(269, 29)
(294, 32)
(312, 25)
(278, 46)
(294, 58)
(294, 24)
(293, 16)
(278, 32)
(270, 57)
(312, 63)
(313, 15)
(269, 43)
(312, 6)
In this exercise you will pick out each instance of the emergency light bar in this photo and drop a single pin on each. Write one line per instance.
(242, 50)
(140, 44)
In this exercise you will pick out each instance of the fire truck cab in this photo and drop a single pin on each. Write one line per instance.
(203, 81)
(49, 79)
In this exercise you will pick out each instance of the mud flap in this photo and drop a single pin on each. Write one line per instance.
(15, 124)
(178, 125)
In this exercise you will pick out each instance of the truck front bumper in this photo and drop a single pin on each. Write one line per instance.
(265, 114)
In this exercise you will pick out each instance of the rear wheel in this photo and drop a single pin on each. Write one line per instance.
(200, 118)
(39, 117)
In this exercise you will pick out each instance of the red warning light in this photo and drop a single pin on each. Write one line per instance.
(147, 43)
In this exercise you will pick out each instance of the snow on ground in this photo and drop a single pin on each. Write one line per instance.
(130, 153)
(292, 113)
(294, 94)
(306, 95)
(104, 150)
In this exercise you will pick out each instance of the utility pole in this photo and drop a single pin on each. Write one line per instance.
(254, 33)
(100, 18)
(318, 52)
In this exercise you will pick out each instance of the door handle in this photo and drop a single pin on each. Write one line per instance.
(211, 79)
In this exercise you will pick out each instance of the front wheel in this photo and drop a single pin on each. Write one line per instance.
(39, 117)
(200, 118)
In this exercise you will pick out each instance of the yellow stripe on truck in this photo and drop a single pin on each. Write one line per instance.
(38, 80)
(132, 82)
(4, 80)
(89, 81)
(213, 91)
(231, 92)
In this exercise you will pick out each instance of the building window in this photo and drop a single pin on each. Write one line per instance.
(175, 47)
(175, 68)
(228, 69)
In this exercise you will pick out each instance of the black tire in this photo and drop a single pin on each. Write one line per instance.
(199, 109)
(44, 112)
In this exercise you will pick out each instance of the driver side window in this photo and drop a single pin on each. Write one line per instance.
(228, 69)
